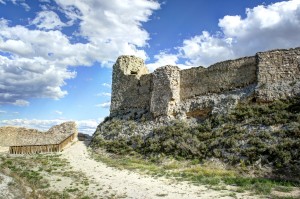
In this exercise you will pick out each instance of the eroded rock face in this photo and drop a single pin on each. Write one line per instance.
(172, 93)
(16, 136)
(64, 128)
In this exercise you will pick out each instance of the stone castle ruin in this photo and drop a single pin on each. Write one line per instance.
(197, 92)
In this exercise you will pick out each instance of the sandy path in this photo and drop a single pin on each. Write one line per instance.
(128, 184)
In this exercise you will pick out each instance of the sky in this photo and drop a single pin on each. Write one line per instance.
(56, 56)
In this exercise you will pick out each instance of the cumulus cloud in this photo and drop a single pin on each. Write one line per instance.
(206, 49)
(47, 20)
(120, 30)
(104, 105)
(163, 59)
(35, 63)
(265, 27)
(84, 126)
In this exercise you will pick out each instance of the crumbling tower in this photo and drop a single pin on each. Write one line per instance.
(130, 86)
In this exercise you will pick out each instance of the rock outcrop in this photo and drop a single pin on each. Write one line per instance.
(17, 136)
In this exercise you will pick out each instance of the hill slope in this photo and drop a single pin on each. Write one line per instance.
(265, 135)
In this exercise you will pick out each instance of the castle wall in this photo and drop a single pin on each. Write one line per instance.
(166, 91)
(217, 78)
(278, 74)
(131, 86)
(144, 91)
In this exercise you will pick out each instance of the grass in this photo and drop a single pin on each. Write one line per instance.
(202, 174)
(243, 137)
(255, 138)
(33, 171)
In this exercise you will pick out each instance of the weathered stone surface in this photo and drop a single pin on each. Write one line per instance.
(169, 92)
(278, 74)
(16, 136)
(64, 128)
(166, 91)
(202, 106)
(218, 78)
(131, 86)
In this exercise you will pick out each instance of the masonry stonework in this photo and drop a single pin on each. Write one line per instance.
(217, 78)
(172, 92)
(166, 91)
(278, 74)
(131, 86)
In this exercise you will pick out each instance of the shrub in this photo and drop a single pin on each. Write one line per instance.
(242, 135)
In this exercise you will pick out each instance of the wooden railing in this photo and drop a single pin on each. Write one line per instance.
(47, 148)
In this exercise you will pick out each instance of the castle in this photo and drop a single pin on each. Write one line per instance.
(199, 91)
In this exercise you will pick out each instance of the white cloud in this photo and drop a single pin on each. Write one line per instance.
(264, 28)
(18, 2)
(206, 49)
(21, 103)
(39, 60)
(25, 6)
(104, 94)
(84, 126)
(47, 20)
(113, 25)
(58, 112)
(2, 112)
(88, 126)
(104, 105)
(163, 59)
(106, 85)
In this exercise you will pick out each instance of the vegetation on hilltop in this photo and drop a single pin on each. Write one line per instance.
(266, 135)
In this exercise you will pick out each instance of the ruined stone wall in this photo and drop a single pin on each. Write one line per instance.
(278, 74)
(131, 86)
(166, 91)
(169, 92)
(217, 78)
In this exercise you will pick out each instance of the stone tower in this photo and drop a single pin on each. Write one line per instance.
(126, 95)
(166, 91)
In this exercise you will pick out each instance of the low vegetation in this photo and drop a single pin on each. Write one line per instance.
(260, 142)
(34, 177)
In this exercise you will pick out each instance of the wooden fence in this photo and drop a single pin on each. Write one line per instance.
(47, 148)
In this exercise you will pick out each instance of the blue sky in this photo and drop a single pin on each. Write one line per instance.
(56, 56)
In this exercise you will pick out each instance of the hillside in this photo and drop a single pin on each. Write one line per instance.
(235, 123)
(252, 144)
(242, 112)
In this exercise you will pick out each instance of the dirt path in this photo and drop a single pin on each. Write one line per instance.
(109, 181)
